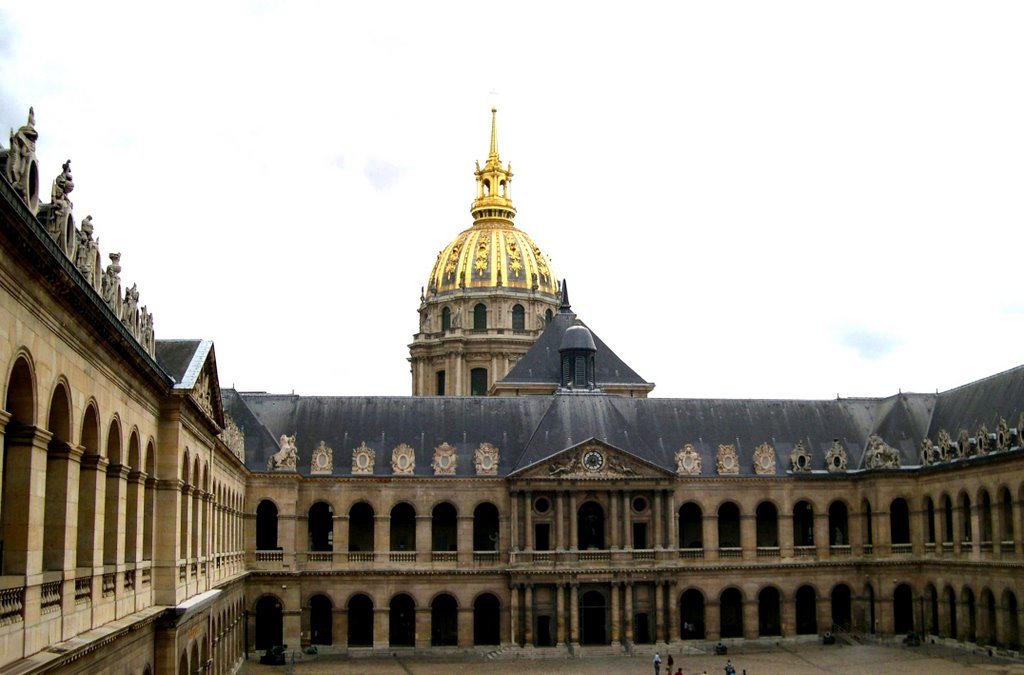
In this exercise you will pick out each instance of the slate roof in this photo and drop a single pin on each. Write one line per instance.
(541, 363)
(176, 356)
(981, 402)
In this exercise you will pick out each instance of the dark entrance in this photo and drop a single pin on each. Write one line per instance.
(691, 615)
(444, 622)
(731, 615)
(841, 606)
(768, 612)
(593, 614)
(320, 615)
(266, 526)
(544, 631)
(806, 611)
(360, 621)
(642, 628)
(902, 609)
(951, 605)
(590, 526)
(269, 628)
(321, 527)
(486, 620)
(402, 622)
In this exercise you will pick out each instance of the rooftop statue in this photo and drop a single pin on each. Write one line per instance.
(22, 157)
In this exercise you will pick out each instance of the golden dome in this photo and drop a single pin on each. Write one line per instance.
(492, 253)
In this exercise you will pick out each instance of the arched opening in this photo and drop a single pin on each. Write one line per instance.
(767, 525)
(806, 611)
(402, 621)
(485, 527)
(691, 615)
(480, 316)
(443, 528)
(360, 527)
(113, 514)
(266, 526)
(932, 595)
(902, 609)
(17, 464)
(967, 536)
(269, 626)
(593, 616)
(728, 525)
(1006, 516)
(590, 526)
(548, 315)
(869, 599)
(769, 612)
(149, 501)
(183, 663)
(947, 519)
(970, 614)
(518, 317)
(988, 613)
(985, 524)
(486, 620)
(87, 488)
(321, 615)
(950, 595)
(320, 523)
(403, 527)
(899, 521)
(869, 529)
(842, 606)
(731, 613)
(691, 526)
(838, 524)
(929, 520)
(444, 621)
(360, 621)
(1009, 603)
(136, 488)
(446, 319)
(478, 382)
(57, 469)
(803, 524)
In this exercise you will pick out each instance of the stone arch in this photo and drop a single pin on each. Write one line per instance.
(403, 527)
(928, 513)
(838, 523)
(729, 524)
(931, 597)
(486, 619)
(730, 606)
(899, 521)
(58, 468)
(486, 527)
(1011, 619)
(949, 598)
(402, 620)
(842, 606)
(360, 620)
(115, 495)
(968, 605)
(1006, 513)
(984, 502)
(964, 504)
(518, 317)
(20, 399)
(692, 614)
(806, 599)
(903, 609)
(60, 419)
(444, 527)
(691, 526)
(135, 494)
(590, 521)
(767, 517)
(320, 526)
(266, 525)
(948, 519)
(444, 620)
(803, 523)
(988, 623)
(769, 611)
(321, 619)
(88, 486)
(361, 527)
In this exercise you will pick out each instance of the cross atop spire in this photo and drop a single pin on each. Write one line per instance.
(493, 204)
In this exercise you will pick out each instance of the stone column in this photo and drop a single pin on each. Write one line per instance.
(573, 522)
(975, 528)
(787, 614)
(513, 503)
(658, 515)
(674, 622)
(821, 533)
(113, 541)
(339, 627)
(883, 532)
(381, 536)
(560, 615)
(133, 517)
(422, 640)
(748, 536)
(615, 523)
(528, 615)
(712, 619)
(751, 624)
(627, 619)
(341, 536)
(60, 544)
(672, 521)
(823, 607)
(855, 531)
(710, 527)
(513, 611)
(574, 614)
(560, 521)
(659, 612)
(25, 499)
(465, 627)
(528, 519)
(464, 534)
(627, 526)
(786, 534)
(424, 538)
(616, 593)
(381, 627)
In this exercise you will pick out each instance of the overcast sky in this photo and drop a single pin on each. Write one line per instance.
(749, 199)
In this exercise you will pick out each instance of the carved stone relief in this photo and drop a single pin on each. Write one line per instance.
(880, 455)
(764, 460)
(21, 162)
(728, 460)
(945, 443)
(835, 458)
(233, 438)
(403, 460)
(485, 459)
(287, 457)
(800, 459)
(930, 453)
(981, 444)
(1002, 435)
(444, 460)
(322, 460)
(363, 459)
(963, 445)
(688, 462)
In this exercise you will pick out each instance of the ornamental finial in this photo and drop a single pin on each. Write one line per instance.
(493, 156)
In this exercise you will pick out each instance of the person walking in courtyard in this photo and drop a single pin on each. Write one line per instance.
(657, 663)
(671, 662)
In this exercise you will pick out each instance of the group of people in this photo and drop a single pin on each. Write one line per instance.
(729, 668)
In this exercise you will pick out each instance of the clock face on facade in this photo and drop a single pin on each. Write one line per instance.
(593, 460)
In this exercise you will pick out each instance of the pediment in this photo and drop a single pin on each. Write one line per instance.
(202, 384)
(593, 460)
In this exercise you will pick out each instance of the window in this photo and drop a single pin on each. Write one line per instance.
(518, 317)
(440, 383)
(478, 382)
(547, 316)
(446, 319)
(480, 317)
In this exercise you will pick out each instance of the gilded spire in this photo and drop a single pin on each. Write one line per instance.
(493, 204)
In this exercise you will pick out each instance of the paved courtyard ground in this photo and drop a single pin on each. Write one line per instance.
(788, 659)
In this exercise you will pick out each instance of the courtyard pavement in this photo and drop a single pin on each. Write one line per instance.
(790, 659)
